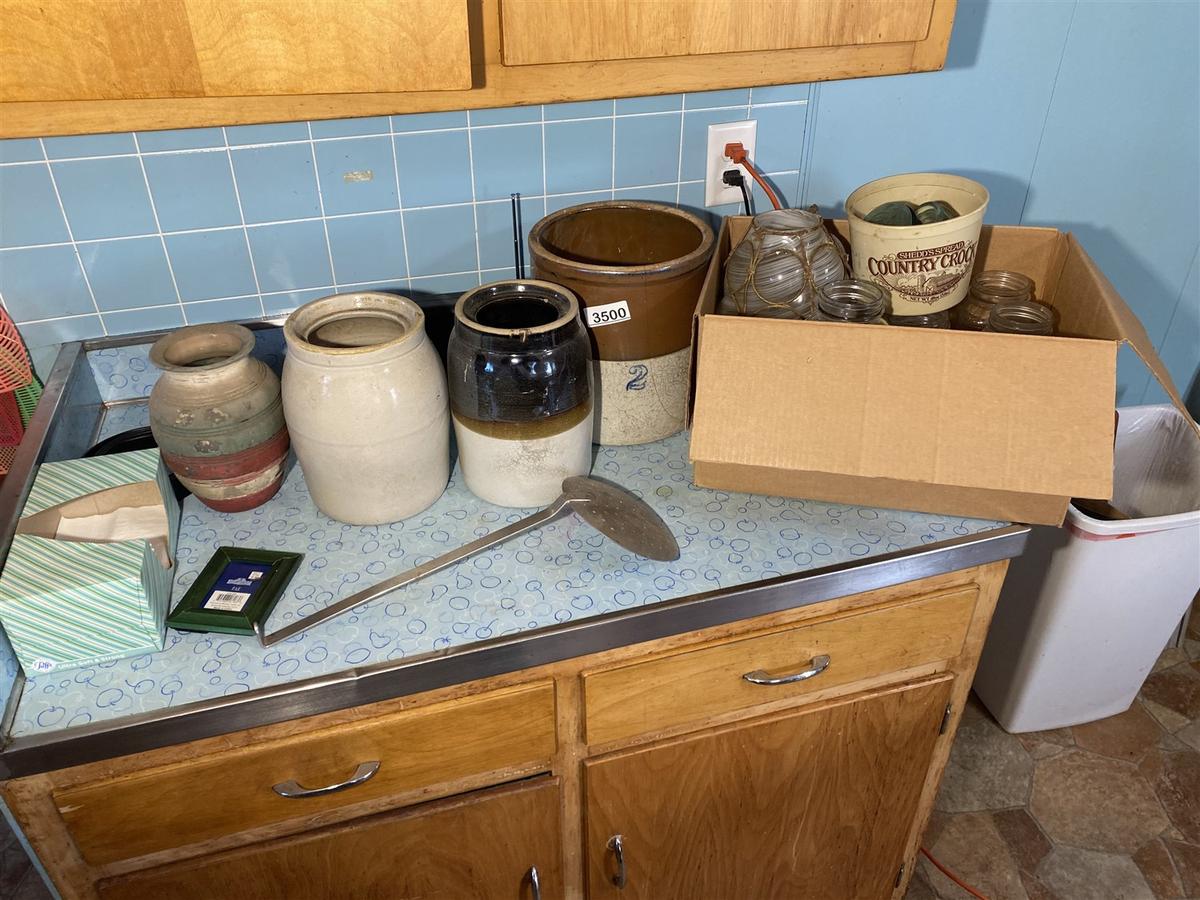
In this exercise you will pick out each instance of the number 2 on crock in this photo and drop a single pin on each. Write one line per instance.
(608, 314)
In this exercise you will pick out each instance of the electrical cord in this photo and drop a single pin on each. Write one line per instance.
(736, 152)
(733, 178)
(962, 884)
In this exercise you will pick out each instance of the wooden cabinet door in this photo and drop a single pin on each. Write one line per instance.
(481, 845)
(813, 804)
(554, 31)
(146, 49)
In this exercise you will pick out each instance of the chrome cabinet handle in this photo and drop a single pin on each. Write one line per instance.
(292, 790)
(535, 883)
(816, 666)
(618, 849)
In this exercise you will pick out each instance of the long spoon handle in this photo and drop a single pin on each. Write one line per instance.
(414, 574)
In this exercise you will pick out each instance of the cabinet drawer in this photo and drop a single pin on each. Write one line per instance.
(481, 845)
(224, 793)
(692, 686)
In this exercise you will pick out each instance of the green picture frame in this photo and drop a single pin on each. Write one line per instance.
(205, 606)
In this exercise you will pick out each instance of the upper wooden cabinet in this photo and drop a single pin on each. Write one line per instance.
(85, 66)
(155, 49)
(550, 31)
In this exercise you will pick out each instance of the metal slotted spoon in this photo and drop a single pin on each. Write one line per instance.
(611, 510)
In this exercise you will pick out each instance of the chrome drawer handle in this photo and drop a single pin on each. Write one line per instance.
(535, 883)
(292, 790)
(618, 849)
(816, 666)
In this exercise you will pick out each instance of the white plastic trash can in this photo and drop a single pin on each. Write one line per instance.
(1086, 611)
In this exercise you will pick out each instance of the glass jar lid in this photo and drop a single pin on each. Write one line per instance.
(1001, 284)
(851, 300)
(1021, 317)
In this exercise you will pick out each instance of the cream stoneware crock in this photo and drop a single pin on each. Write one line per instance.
(364, 394)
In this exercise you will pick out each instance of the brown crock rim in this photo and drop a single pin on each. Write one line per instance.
(684, 263)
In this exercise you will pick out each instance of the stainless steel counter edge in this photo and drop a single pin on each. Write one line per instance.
(498, 656)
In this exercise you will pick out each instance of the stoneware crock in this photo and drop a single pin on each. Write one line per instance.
(365, 398)
(637, 268)
(216, 415)
(519, 368)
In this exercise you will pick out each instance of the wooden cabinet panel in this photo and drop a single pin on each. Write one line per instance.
(140, 65)
(253, 47)
(145, 49)
(692, 686)
(96, 49)
(815, 804)
(480, 846)
(554, 31)
(506, 731)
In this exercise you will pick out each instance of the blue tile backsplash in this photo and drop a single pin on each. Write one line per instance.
(115, 233)
(108, 234)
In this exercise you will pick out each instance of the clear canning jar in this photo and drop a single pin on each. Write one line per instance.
(851, 300)
(928, 320)
(987, 289)
(1021, 317)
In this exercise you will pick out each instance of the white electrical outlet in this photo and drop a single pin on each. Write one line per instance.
(717, 192)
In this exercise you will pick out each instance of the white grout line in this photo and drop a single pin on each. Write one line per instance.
(545, 189)
(158, 225)
(335, 216)
(312, 148)
(237, 195)
(613, 179)
(400, 208)
(474, 208)
(679, 170)
(71, 234)
(392, 133)
(61, 319)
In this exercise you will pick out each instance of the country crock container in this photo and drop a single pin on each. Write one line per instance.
(365, 398)
(637, 267)
(925, 268)
(519, 369)
(216, 415)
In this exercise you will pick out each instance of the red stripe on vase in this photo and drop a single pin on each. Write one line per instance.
(249, 501)
(232, 465)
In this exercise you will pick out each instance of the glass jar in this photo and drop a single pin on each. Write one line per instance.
(928, 320)
(851, 300)
(1021, 317)
(987, 289)
(780, 265)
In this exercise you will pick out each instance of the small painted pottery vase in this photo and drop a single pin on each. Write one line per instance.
(365, 398)
(519, 369)
(217, 417)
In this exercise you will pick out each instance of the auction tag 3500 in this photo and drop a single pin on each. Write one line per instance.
(608, 314)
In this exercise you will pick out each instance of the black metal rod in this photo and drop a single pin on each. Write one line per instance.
(518, 246)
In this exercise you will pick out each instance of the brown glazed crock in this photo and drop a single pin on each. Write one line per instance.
(650, 254)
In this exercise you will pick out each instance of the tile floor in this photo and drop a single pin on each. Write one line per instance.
(18, 879)
(1104, 811)
(1098, 811)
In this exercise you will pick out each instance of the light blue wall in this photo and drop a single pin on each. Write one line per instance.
(1080, 114)
(1083, 116)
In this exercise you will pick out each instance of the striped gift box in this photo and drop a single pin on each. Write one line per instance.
(69, 604)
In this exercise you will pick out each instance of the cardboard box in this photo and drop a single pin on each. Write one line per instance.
(88, 578)
(974, 424)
